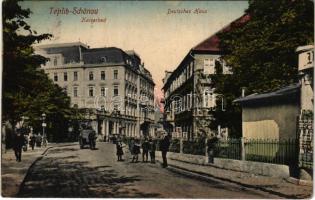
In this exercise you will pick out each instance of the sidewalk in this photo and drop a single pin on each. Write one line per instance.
(13, 172)
(276, 186)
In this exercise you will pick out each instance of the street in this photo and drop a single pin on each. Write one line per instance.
(73, 172)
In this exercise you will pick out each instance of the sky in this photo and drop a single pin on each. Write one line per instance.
(162, 39)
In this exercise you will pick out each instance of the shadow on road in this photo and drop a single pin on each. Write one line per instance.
(62, 150)
(52, 177)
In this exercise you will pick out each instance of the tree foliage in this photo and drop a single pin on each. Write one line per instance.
(27, 91)
(261, 52)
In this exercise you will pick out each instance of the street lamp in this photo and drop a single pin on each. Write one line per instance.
(44, 125)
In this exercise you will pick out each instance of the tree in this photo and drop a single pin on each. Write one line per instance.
(27, 91)
(261, 52)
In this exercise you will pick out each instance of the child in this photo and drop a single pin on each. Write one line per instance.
(120, 151)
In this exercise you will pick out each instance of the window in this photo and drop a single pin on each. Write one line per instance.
(103, 91)
(115, 74)
(75, 76)
(91, 76)
(102, 75)
(75, 91)
(55, 61)
(65, 89)
(208, 66)
(65, 76)
(116, 90)
(91, 91)
(209, 99)
(104, 59)
(55, 77)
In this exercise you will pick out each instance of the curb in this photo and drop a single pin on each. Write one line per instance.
(300, 181)
(175, 167)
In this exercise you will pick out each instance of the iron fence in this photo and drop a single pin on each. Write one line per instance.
(259, 150)
(195, 147)
(230, 148)
(272, 151)
(175, 146)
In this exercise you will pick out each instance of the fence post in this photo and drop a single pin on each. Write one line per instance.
(242, 148)
(206, 150)
(181, 145)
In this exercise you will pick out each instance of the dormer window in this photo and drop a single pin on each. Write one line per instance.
(104, 59)
(55, 61)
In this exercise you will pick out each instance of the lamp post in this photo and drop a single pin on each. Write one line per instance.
(44, 125)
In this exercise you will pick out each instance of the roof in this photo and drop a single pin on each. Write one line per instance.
(94, 56)
(283, 93)
(70, 44)
(212, 43)
(131, 53)
(304, 48)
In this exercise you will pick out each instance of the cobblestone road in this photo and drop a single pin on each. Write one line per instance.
(73, 172)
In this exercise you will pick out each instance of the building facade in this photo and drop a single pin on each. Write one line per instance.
(189, 96)
(111, 84)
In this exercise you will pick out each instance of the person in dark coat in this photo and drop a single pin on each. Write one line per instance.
(145, 150)
(164, 146)
(120, 152)
(18, 143)
(92, 138)
(136, 151)
(152, 150)
(39, 140)
(32, 141)
(130, 145)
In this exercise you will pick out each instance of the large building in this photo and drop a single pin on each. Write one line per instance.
(189, 94)
(111, 84)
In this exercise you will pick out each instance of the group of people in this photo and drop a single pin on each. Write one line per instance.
(21, 142)
(148, 148)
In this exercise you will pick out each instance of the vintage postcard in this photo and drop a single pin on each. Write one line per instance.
(157, 99)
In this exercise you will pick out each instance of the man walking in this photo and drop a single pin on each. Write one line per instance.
(18, 145)
(165, 144)
(32, 141)
(145, 150)
(135, 151)
(152, 150)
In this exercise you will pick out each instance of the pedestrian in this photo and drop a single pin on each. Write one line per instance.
(165, 144)
(25, 142)
(18, 143)
(32, 141)
(136, 151)
(152, 150)
(145, 150)
(130, 145)
(120, 152)
(39, 140)
(92, 137)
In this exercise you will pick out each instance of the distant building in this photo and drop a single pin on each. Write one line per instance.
(111, 84)
(189, 97)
